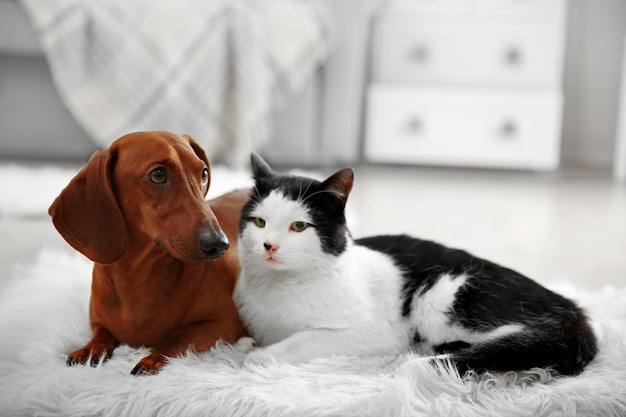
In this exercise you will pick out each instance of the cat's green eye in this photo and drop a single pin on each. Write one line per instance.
(299, 226)
(259, 222)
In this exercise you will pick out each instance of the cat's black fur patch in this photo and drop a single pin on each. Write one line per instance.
(558, 333)
(451, 347)
(566, 351)
(422, 262)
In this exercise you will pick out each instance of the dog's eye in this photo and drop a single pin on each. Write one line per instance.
(204, 180)
(259, 222)
(158, 175)
(299, 226)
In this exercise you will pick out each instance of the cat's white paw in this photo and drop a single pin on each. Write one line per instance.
(245, 345)
(259, 357)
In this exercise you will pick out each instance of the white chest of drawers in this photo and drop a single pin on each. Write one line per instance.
(467, 83)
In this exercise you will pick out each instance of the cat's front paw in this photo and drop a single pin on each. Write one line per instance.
(259, 357)
(245, 345)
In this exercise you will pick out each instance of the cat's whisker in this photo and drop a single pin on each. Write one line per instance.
(333, 192)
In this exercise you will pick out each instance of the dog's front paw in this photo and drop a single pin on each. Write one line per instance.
(149, 365)
(92, 354)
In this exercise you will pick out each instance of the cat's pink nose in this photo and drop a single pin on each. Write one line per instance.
(270, 248)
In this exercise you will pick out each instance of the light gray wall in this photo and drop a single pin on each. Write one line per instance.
(595, 45)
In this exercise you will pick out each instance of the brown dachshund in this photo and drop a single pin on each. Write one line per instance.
(138, 211)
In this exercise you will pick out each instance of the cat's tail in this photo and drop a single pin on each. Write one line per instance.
(564, 350)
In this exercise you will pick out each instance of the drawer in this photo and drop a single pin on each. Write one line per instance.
(520, 8)
(475, 127)
(432, 6)
(467, 53)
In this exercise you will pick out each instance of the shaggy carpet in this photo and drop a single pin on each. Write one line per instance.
(43, 316)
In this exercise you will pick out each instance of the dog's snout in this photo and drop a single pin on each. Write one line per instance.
(213, 244)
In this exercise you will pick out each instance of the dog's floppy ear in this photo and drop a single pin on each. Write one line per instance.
(201, 154)
(197, 149)
(87, 214)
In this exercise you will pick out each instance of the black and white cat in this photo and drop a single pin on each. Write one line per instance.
(308, 290)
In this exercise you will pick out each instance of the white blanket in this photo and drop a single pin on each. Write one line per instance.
(43, 316)
(209, 68)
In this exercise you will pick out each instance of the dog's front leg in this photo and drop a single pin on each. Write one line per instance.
(99, 348)
(196, 337)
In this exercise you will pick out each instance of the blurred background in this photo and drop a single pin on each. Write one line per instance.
(496, 126)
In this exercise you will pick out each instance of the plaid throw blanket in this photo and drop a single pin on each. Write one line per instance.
(210, 68)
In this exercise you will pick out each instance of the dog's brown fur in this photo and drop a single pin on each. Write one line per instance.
(153, 285)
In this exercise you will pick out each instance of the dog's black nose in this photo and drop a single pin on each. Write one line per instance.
(213, 244)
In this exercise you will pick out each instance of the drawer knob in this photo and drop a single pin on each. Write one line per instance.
(508, 130)
(513, 56)
(414, 126)
(420, 54)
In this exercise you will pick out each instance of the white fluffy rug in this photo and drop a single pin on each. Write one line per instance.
(43, 316)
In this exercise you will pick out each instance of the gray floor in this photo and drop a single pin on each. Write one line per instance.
(550, 226)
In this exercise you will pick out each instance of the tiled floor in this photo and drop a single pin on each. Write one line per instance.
(549, 226)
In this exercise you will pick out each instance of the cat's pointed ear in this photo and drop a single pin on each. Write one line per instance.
(260, 168)
(340, 184)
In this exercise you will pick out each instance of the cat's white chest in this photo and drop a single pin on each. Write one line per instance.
(282, 306)
(362, 290)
